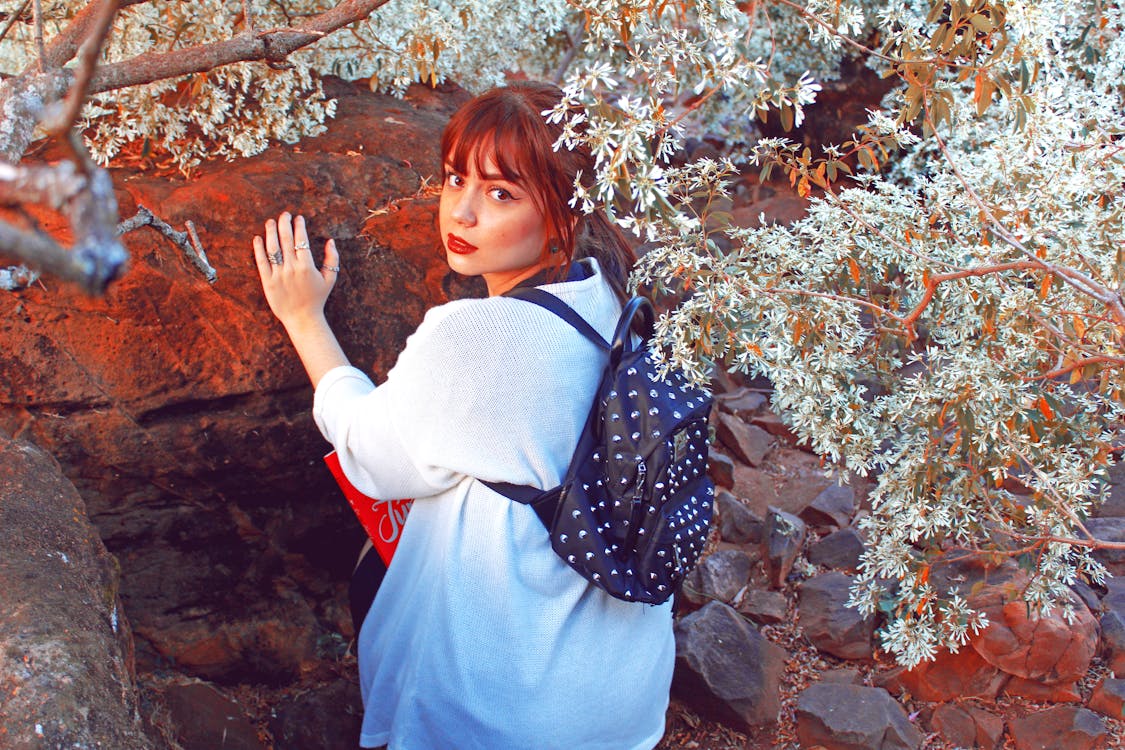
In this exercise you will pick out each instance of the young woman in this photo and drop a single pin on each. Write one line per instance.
(480, 636)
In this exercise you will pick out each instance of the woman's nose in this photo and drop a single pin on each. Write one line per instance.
(463, 211)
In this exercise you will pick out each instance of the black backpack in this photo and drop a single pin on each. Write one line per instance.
(634, 509)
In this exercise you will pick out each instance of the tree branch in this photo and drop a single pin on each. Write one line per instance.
(273, 45)
(61, 119)
(66, 43)
(13, 18)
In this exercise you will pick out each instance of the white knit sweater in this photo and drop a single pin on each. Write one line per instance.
(480, 636)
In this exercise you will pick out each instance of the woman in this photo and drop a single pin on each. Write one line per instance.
(480, 636)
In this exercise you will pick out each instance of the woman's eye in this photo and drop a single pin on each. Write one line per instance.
(453, 179)
(501, 194)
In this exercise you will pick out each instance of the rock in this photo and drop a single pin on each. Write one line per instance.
(742, 403)
(853, 717)
(1114, 598)
(1108, 698)
(841, 550)
(327, 718)
(772, 424)
(1088, 596)
(1042, 692)
(737, 523)
(181, 413)
(1114, 504)
(1037, 647)
(766, 607)
(1059, 727)
(835, 506)
(967, 726)
(829, 623)
(720, 468)
(949, 676)
(727, 670)
(205, 719)
(784, 537)
(778, 209)
(66, 659)
(1109, 529)
(1112, 643)
(718, 577)
(747, 442)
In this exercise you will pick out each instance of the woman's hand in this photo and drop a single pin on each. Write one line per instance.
(296, 291)
(295, 288)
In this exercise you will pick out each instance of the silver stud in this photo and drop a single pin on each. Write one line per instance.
(563, 538)
(653, 411)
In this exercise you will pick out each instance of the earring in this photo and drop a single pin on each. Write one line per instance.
(553, 249)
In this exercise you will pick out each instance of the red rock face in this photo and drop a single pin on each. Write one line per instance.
(178, 408)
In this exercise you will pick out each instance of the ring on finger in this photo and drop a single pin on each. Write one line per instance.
(301, 246)
(277, 258)
(334, 269)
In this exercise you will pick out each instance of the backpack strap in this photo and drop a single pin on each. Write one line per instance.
(558, 307)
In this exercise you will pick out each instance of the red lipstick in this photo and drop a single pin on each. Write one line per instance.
(457, 245)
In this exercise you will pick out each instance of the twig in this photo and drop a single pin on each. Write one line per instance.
(90, 266)
(39, 36)
(13, 18)
(187, 241)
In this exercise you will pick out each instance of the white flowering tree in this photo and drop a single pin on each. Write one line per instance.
(947, 319)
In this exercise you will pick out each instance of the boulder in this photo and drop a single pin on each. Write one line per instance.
(718, 577)
(784, 537)
(835, 506)
(1112, 643)
(726, 669)
(853, 717)
(966, 726)
(1109, 529)
(326, 718)
(1059, 727)
(840, 550)
(1114, 504)
(766, 607)
(737, 523)
(66, 660)
(1108, 698)
(742, 403)
(949, 676)
(829, 624)
(720, 468)
(181, 413)
(747, 442)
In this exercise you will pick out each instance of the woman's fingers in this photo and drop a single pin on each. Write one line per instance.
(331, 268)
(260, 259)
(301, 249)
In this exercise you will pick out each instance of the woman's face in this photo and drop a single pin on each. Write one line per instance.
(490, 227)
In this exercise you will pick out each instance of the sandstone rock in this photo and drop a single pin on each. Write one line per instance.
(1108, 698)
(718, 577)
(720, 468)
(205, 719)
(1043, 692)
(747, 442)
(187, 424)
(842, 675)
(772, 424)
(326, 718)
(853, 717)
(1042, 648)
(950, 676)
(1059, 727)
(828, 623)
(737, 523)
(1114, 504)
(1109, 529)
(766, 607)
(726, 669)
(66, 661)
(832, 507)
(967, 726)
(840, 550)
(784, 537)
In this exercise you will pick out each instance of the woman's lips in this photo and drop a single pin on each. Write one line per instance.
(457, 245)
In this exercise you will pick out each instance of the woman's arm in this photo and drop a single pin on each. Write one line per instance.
(296, 291)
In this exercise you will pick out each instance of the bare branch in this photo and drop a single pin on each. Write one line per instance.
(187, 241)
(17, 277)
(91, 267)
(53, 185)
(66, 43)
(273, 45)
(63, 119)
(13, 18)
(38, 7)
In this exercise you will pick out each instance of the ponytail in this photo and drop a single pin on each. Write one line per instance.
(602, 240)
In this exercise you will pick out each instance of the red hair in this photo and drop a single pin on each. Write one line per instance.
(507, 125)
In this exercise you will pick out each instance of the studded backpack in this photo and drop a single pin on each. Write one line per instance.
(634, 509)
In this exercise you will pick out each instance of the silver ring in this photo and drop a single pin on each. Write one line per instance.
(301, 246)
(277, 258)
(336, 269)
